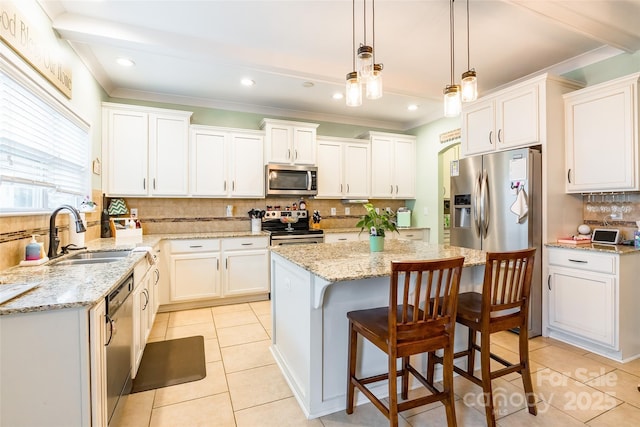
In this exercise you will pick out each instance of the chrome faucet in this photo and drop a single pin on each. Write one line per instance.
(54, 240)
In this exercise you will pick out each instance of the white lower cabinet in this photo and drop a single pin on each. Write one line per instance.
(246, 266)
(351, 236)
(194, 270)
(591, 301)
(354, 236)
(202, 269)
(98, 351)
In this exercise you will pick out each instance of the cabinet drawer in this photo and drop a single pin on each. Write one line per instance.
(245, 243)
(583, 260)
(410, 234)
(195, 245)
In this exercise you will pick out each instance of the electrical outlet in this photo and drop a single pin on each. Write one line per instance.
(333, 211)
(347, 211)
(616, 216)
(388, 209)
(134, 212)
(425, 211)
(378, 211)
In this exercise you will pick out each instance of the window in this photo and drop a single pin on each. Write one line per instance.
(44, 149)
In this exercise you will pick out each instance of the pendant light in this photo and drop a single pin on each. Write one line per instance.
(365, 52)
(452, 101)
(374, 83)
(353, 89)
(469, 78)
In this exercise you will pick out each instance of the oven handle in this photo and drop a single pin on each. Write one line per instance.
(284, 242)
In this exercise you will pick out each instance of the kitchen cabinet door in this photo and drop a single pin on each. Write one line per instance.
(141, 310)
(208, 165)
(126, 154)
(382, 163)
(246, 272)
(583, 304)
(517, 121)
(602, 137)
(393, 166)
(356, 170)
(246, 165)
(169, 155)
(478, 127)
(246, 266)
(404, 168)
(330, 167)
(146, 151)
(195, 276)
(98, 339)
(291, 143)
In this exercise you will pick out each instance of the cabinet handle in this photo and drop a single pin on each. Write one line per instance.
(195, 246)
(154, 183)
(569, 176)
(347, 188)
(218, 264)
(296, 152)
(499, 135)
(549, 282)
(408, 235)
(247, 244)
(233, 185)
(289, 153)
(391, 188)
(396, 188)
(342, 238)
(341, 188)
(490, 137)
(157, 273)
(225, 185)
(579, 261)
(226, 264)
(146, 302)
(144, 183)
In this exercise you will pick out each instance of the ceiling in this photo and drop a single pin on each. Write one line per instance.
(195, 52)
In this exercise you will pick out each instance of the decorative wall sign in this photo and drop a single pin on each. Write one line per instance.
(41, 51)
(450, 136)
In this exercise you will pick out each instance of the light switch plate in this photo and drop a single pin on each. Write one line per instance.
(333, 211)
(347, 211)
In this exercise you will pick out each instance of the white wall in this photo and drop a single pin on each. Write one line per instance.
(428, 174)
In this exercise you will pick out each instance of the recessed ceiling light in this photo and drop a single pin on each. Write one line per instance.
(338, 95)
(125, 62)
(307, 84)
(247, 82)
(412, 107)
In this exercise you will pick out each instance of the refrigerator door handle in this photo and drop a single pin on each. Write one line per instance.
(484, 204)
(476, 204)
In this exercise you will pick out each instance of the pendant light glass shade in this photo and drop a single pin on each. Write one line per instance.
(365, 62)
(374, 84)
(452, 101)
(353, 90)
(469, 86)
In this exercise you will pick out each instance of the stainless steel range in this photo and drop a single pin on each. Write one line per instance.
(290, 228)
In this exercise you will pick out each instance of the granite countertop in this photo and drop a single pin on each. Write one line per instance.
(84, 285)
(357, 230)
(596, 247)
(336, 262)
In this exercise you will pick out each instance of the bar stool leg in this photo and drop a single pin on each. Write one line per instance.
(471, 355)
(485, 364)
(353, 348)
(526, 370)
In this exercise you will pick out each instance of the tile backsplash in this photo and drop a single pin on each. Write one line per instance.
(612, 210)
(167, 216)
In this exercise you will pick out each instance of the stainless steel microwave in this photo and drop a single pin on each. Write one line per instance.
(284, 180)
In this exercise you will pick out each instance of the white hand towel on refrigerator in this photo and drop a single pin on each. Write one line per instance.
(520, 207)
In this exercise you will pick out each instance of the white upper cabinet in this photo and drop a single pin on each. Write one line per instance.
(506, 120)
(226, 162)
(146, 151)
(292, 143)
(343, 168)
(602, 137)
(393, 166)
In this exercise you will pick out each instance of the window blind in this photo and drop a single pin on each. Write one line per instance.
(44, 150)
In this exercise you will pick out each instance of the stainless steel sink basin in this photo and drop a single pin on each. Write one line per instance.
(80, 261)
(99, 255)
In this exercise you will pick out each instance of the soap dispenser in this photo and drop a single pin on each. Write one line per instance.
(32, 251)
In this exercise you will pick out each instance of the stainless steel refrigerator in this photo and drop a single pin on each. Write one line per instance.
(496, 206)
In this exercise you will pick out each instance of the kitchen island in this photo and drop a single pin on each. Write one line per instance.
(314, 286)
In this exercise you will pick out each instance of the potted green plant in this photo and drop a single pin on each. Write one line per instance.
(377, 224)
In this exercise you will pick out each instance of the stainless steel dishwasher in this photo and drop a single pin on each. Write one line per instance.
(119, 324)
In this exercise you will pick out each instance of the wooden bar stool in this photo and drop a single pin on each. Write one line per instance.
(503, 305)
(405, 328)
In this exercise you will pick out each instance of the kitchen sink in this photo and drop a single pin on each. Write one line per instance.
(80, 261)
(99, 255)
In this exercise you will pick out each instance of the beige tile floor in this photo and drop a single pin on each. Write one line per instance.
(245, 388)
